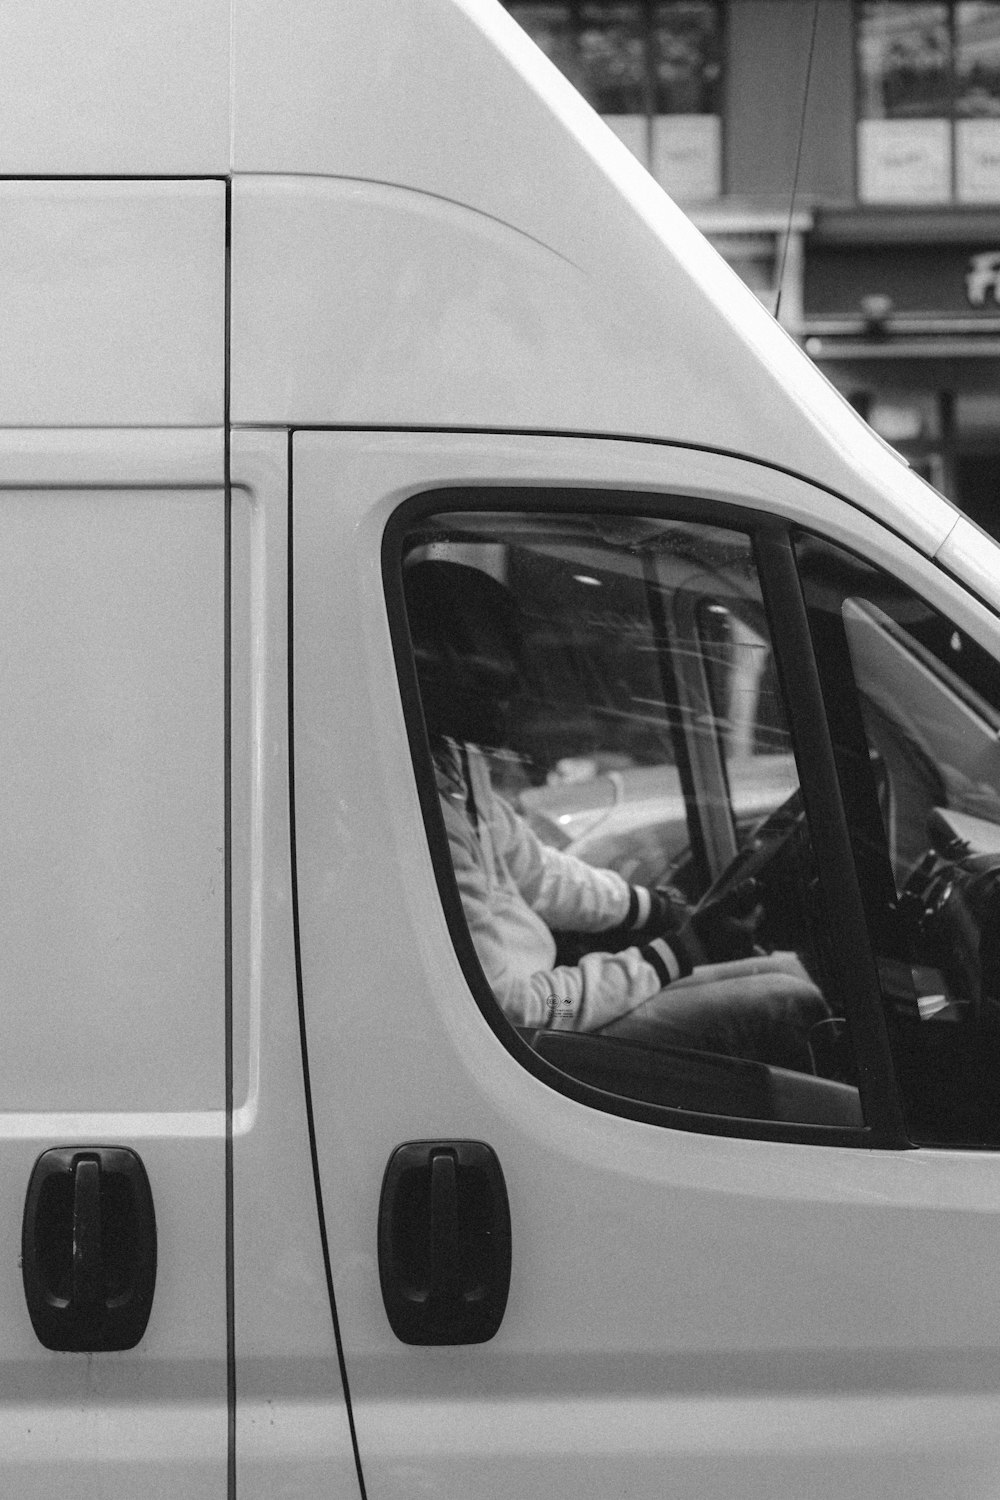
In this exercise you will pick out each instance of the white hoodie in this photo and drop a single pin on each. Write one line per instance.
(515, 891)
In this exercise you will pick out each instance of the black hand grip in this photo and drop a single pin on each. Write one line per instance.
(444, 1268)
(444, 1242)
(88, 1248)
(86, 1279)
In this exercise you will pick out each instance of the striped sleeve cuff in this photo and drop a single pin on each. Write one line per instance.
(644, 905)
(640, 904)
(669, 965)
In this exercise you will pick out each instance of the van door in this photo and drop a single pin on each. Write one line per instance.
(728, 1274)
(112, 966)
(292, 1431)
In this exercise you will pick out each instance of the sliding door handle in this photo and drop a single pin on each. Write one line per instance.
(444, 1242)
(88, 1248)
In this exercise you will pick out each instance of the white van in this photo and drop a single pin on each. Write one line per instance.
(293, 295)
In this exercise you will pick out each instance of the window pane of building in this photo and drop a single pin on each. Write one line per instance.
(550, 26)
(687, 59)
(977, 160)
(612, 44)
(904, 97)
(904, 161)
(687, 72)
(614, 69)
(687, 156)
(977, 101)
(653, 69)
(977, 58)
(904, 61)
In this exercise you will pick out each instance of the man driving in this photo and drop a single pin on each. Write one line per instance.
(659, 971)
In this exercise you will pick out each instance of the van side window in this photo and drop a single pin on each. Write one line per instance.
(618, 796)
(914, 709)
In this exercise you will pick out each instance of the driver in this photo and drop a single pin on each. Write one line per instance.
(660, 972)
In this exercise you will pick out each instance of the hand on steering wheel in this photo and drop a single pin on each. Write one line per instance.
(725, 928)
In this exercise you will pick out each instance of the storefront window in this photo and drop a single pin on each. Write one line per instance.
(613, 63)
(687, 145)
(653, 69)
(551, 27)
(612, 43)
(929, 100)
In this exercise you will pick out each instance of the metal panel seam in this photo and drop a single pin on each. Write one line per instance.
(228, 877)
(303, 1039)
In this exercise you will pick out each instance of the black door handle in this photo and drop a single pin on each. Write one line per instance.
(444, 1246)
(88, 1248)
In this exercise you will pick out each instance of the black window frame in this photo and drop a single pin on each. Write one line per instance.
(855, 978)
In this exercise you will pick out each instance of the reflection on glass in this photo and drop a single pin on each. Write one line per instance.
(607, 732)
(742, 684)
(904, 60)
(914, 709)
(977, 58)
(612, 51)
(550, 26)
(686, 58)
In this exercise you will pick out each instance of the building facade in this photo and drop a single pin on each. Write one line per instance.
(844, 155)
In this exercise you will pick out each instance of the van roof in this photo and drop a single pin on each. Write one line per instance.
(569, 293)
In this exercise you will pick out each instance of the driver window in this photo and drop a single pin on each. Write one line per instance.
(617, 792)
(914, 708)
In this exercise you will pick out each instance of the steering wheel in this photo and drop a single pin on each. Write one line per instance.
(759, 860)
(761, 851)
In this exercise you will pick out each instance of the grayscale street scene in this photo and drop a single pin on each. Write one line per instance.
(500, 602)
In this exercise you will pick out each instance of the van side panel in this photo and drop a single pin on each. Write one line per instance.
(369, 303)
(111, 88)
(112, 966)
(112, 303)
(112, 799)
